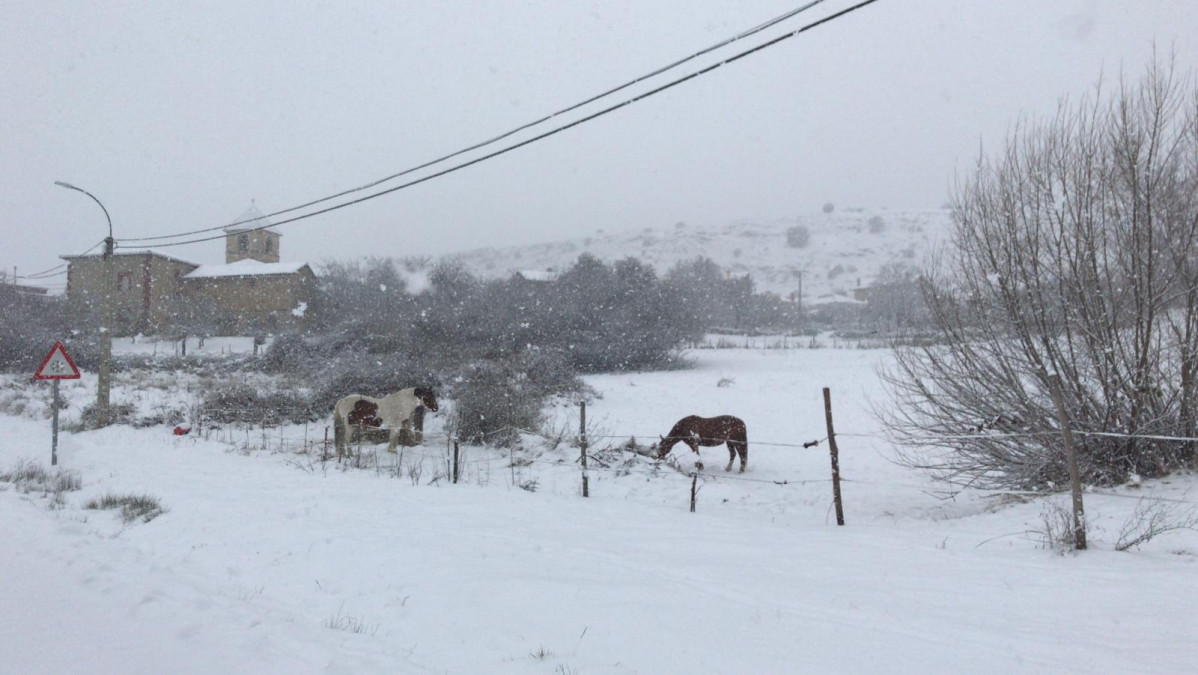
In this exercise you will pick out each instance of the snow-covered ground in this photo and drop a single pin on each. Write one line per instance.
(272, 561)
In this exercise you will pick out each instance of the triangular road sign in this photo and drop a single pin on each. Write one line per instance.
(57, 366)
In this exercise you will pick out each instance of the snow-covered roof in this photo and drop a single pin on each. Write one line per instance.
(536, 275)
(244, 268)
(129, 251)
(250, 219)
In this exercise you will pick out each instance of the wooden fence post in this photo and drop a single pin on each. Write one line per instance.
(694, 489)
(455, 462)
(582, 431)
(835, 457)
(1075, 483)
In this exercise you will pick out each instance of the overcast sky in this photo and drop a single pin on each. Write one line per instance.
(177, 114)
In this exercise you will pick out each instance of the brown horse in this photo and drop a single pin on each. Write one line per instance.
(698, 431)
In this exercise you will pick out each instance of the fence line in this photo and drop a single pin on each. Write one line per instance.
(305, 442)
(1026, 434)
(276, 420)
(300, 442)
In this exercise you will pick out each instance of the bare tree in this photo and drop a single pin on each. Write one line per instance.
(1076, 250)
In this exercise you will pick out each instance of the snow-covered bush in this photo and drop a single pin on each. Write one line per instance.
(369, 375)
(288, 353)
(226, 403)
(494, 402)
(496, 399)
(798, 236)
(118, 413)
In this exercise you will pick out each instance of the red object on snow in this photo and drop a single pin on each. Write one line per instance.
(180, 431)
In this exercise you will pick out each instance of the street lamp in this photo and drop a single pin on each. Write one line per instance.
(104, 385)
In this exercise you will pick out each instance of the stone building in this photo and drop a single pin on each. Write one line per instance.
(145, 287)
(251, 296)
(156, 293)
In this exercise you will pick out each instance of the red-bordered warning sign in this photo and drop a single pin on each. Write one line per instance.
(57, 366)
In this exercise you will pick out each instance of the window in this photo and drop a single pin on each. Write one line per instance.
(270, 244)
(124, 282)
(243, 243)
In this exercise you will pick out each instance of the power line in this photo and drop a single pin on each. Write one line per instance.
(552, 132)
(46, 273)
(506, 134)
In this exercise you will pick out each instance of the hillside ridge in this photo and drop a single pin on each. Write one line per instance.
(845, 249)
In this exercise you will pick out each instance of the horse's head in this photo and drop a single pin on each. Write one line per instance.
(427, 397)
(661, 447)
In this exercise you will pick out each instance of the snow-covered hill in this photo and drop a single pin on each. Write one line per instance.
(845, 249)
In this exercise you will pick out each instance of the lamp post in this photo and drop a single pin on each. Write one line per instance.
(104, 385)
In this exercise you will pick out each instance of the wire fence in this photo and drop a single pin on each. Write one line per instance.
(276, 432)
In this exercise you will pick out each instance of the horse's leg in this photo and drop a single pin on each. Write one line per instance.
(393, 440)
(743, 448)
(731, 455)
(695, 449)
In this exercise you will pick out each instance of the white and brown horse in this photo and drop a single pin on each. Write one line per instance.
(698, 431)
(392, 413)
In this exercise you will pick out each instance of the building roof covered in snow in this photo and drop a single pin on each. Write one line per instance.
(536, 275)
(245, 268)
(123, 251)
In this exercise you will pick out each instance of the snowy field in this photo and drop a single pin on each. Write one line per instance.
(268, 559)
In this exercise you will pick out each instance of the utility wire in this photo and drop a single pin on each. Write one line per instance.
(46, 273)
(506, 134)
(552, 132)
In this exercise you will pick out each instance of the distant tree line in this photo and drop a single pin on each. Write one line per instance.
(500, 347)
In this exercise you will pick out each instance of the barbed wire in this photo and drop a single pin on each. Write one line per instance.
(301, 442)
(629, 470)
(1023, 434)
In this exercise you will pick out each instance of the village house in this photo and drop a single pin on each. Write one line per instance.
(157, 293)
(11, 290)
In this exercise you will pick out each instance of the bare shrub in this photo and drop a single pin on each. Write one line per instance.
(877, 225)
(1056, 531)
(1103, 293)
(1150, 519)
